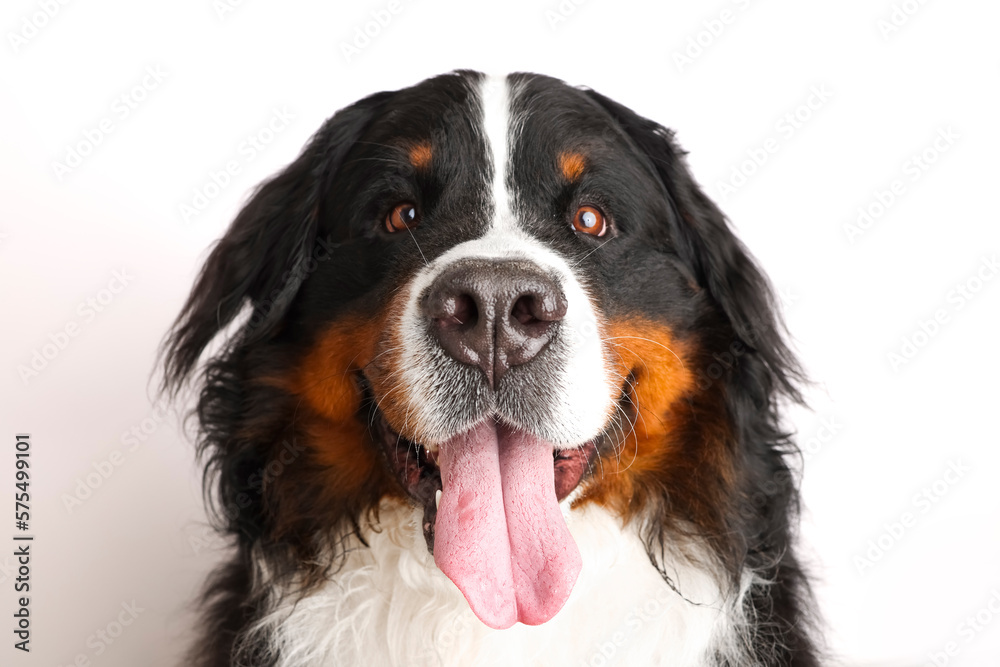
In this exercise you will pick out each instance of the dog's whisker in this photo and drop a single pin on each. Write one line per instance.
(418, 246)
(648, 340)
(577, 263)
(383, 352)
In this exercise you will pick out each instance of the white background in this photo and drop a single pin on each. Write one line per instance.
(139, 536)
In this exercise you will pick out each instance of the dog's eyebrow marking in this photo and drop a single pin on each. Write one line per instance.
(572, 164)
(420, 155)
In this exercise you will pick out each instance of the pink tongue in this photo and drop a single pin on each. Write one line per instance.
(499, 534)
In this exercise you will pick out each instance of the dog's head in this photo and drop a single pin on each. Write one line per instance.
(494, 299)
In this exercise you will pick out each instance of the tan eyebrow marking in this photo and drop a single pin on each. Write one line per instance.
(420, 155)
(572, 165)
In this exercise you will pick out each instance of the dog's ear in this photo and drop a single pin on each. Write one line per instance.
(705, 243)
(259, 259)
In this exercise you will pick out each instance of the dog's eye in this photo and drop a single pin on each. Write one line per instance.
(403, 216)
(589, 220)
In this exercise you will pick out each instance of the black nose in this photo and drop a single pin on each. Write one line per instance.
(494, 314)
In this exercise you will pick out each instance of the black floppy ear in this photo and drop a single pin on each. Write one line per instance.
(704, 241)
(256, 261)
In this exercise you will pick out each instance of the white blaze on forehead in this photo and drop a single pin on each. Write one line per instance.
(495, 98)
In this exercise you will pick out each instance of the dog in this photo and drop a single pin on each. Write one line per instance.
(484, 378)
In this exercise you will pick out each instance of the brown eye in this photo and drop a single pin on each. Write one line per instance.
(401, 217)
(589, 220)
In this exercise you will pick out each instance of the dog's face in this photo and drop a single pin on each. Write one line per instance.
(492, 299)
(512, 237)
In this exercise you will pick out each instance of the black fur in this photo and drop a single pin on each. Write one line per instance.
(307, 248)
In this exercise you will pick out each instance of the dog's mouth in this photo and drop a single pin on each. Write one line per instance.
(492, 517)
(417, 469)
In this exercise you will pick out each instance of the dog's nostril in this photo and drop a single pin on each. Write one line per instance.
(466, 311)
(524, 310)
(541, 305)
(451, 308)
(458, 311)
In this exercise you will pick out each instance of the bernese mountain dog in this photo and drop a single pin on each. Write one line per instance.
(484, 378)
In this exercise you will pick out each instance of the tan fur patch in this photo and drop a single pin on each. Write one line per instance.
(572, 165)
(420, 155)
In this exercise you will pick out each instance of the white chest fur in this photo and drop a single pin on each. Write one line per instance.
(391, 606)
